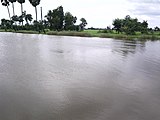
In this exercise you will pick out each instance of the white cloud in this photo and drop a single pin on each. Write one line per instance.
(146, 10)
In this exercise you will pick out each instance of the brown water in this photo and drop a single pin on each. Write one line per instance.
(72, 78)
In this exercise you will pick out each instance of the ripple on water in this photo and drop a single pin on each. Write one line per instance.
(52, 77)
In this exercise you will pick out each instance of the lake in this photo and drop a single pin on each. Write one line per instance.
(72, 78)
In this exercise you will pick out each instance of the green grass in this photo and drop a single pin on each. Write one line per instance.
(26, 32)
(114, 35)
(69, 33)
(95, 33)
(8, 30)
(92, 32)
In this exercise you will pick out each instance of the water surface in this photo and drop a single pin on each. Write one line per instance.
(72, 78)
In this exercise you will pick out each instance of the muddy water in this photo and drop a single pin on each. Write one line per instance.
(72, 78)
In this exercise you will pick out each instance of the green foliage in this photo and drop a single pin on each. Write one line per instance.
(144, 27)
(35, 2)
(130, 25)
(156, 29)
(12, 1)
(21, 1)
(83, 23)
(38, 26)
(118, 23)
(58, 21)
(55, 18)
(21, 18)
(27, 17)
(15, 18)
(6, 24)
(69, 21)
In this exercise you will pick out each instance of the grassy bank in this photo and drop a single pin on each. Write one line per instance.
(69, 33)
(94, 33)
(27, 32)
(114, 35)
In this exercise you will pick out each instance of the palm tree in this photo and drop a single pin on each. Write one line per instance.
(27, 17)
(34, 4)
(6, 3)
(12, 1)
(21, 2)
(15, 18)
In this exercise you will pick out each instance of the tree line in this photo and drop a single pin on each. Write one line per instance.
(55, 19)
(59, 20)
(130, 25)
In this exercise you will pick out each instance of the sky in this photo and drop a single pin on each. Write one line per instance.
(98, 13)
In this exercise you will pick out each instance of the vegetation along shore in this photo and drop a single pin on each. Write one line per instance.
(56, 22)
(93, 33)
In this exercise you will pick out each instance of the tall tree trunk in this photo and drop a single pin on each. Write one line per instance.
(36, 12)
(21, 8)
(22, 12)
(8, 12)
(41, 15)
(13, 9)
(14, 12)
(27, 21)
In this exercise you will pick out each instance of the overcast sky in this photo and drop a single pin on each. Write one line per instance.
(98, 13)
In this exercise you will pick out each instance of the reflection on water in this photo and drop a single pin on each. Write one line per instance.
(71, 78)
(126, 46)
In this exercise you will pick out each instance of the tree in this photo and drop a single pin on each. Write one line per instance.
(20, 19)
(49, 18)
(69, 21)
(38, 26)
(60, 14)
(29, 18)
(6, 24)
(83, 23)
(15, 18)
(130, 25)
(6, 3)
(45, 24)
(12, 1)
(34, 4)
(144, 27)
(117, 23)
(21, 2)
(156, 29)
(56, 18)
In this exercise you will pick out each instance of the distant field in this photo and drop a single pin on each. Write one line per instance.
(94, 32)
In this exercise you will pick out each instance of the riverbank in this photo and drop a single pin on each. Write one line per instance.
(105, 35)
(93, 33)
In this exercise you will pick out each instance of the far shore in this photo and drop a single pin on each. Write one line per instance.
(92, 33)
